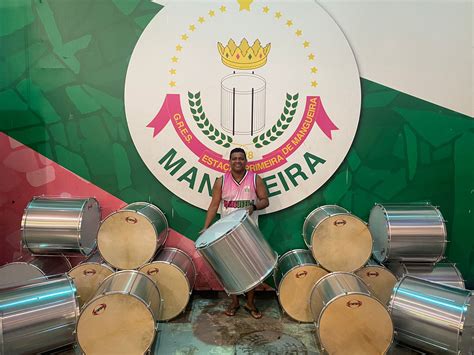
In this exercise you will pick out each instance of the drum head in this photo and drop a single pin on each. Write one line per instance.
(127, 240)
(87, 278)
(302, 279)
(355, 324)
(173, 286)
(115, 324)
(379, 228)
(379, 280)
(341, 243)
(19, 272)
(221, 228)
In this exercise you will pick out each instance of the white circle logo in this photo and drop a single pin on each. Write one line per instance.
(277, 79)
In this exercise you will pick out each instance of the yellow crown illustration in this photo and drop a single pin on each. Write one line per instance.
(244, 56)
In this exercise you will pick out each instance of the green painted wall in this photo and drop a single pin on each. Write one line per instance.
(62, 72)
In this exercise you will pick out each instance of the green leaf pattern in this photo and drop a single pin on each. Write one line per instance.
(272, 134)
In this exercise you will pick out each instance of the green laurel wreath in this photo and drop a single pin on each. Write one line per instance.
(281, 125)
(203, 122)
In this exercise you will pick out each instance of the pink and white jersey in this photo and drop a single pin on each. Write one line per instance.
(237, 195)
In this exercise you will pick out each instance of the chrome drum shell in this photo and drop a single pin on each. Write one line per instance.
(237, 252)
(433, 317)
(407, 232)
(38, 316)
(55, 226)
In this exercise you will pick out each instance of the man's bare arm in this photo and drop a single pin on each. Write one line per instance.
(215, 201)
(262, 194)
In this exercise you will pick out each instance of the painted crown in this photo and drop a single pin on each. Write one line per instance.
(244, 56)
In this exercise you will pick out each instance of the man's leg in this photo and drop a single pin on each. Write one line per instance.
(233, 307)
(250, 306)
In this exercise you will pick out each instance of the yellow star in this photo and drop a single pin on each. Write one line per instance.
(222, 8)
(244, 4)
(173, 71)
(289, 23)
(314, 84)
(201, 20)
(172, 83)
(278, 14)
(211, 13)
(174, 59)
(298, 33)
(179, 48)
(192, 28)
(184, 37)
(311, 56)
(266, 9)
(306, 44)
(314, 70)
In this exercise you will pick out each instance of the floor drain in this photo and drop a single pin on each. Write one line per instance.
(269, 342)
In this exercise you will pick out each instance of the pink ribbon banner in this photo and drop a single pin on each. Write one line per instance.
(313, 113)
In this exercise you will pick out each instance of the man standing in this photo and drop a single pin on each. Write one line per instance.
(238, 189)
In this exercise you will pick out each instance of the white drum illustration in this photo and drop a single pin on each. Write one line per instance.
(243, 103)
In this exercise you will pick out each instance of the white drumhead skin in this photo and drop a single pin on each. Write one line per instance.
(127, 240)
(379, 229)
(355, 324)
(295, 291)
(173, 286)
(379, 280)
(341, 243)
(221, 228)
(115, 324)
(87, 278)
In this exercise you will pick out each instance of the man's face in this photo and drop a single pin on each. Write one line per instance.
(238, 162)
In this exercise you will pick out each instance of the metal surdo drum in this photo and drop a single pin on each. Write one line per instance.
(443, 273)
(433, 317)
(295, 275)
(122, 315)
(88, 276)
(38, 316)
(237, 252)
(410, 232)
(36, 267)
(58, 225)
(338, 240)
(175, 274)
(130, 237)
(348, 319)
(379, 280)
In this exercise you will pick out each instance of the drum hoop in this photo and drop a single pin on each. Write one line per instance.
(317, 209)
(244, 217)
(157, 209)
(155, 317)
(294, 251)
(461, 278)
(2, 344)
(256, 283)
(79, 226)
(339, 296)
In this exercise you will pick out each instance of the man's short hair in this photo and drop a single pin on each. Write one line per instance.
(237, 150)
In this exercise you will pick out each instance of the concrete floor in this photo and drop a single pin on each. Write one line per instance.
(205, 329)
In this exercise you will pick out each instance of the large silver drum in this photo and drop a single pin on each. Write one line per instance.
(37, 267)
(68, 226)
(130, 237)
(121, 317)
(338, 240)
(38, 316)
(88, 276)
(444, 273)
(379, 280)
(433, 317)
(237, 251)
(348, 319)
(409, 232)
(175, 274)
(295, 276)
